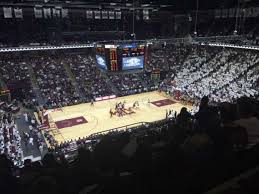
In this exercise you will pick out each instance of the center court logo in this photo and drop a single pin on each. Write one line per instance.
(70, 122)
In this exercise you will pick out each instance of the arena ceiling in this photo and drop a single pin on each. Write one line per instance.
(171, 5)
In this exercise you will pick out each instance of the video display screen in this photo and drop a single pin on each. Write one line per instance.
(133, 45)
(132, 63)
(101, 62)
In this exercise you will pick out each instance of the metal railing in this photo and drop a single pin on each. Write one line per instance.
(38, 48)
(121, 129)
(125, 128)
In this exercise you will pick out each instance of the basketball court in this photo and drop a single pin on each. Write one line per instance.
(82, 120)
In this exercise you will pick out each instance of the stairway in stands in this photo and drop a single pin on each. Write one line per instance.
(230, 57)
(144, 83)
(53, 128)
(2, 83)
(241, 75)
(29, 152)
(73, 80)
(110, 84)
(35, 86)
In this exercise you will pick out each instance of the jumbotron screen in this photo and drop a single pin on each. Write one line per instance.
(114, 57)
(129, 63)
(101, 62)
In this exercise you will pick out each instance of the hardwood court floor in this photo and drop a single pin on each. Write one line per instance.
(98, 116)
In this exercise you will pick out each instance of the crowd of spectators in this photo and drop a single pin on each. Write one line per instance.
(150, 83)
(195, 65)
(160, 59)
(54, 83)
(15, 74)
(10, 139)
(196, 150)
(89, 77)
(184, 153)
(57, 88)
(226, 76)
(130, 83)
(168, 58)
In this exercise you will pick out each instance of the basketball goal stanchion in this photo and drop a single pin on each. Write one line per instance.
(120, 129)
(54, 129)
(50, 124)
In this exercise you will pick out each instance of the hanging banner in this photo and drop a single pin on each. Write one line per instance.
(64, 13)
(111, 15)
(118, 15)
(247, 13)
(217, 13)
(97, 15)
(7, 12)
(38, 12)
(89, 14)
(137, 15)
(56, 12)
(105, 15)
(47, 13)
(145, 14)
(18, 13)
(256, 11)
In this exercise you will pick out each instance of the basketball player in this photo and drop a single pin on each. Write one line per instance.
(148, 101)
(111, 113)
(137, 104)
(120, 113)
(92, 102)
(134, 104)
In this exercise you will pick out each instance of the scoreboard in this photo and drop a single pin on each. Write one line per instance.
(131, 52)
(114, 59)
(120, 57)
